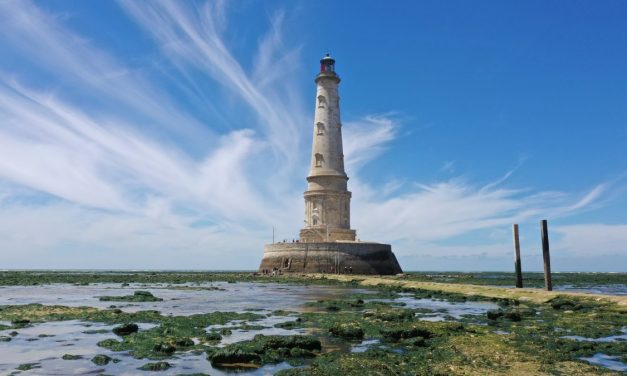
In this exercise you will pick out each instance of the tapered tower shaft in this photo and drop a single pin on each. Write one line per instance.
(327, 199)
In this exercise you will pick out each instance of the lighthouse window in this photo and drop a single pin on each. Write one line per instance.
(319, 160)
(320, 128)
(322, 101)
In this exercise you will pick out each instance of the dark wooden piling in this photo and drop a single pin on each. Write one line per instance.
(517, 264)
(548, 285)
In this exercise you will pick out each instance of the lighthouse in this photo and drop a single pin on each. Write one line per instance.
(327, 199)
(327, 243)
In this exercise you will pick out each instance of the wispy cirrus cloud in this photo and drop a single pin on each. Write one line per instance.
(191, 38)
(98, 182)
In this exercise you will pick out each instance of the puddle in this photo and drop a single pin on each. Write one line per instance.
(238, 335)
(179, 300)
(364, 345)
(440, 310)
(620, 337)
(610, 289)
(610, 362)
(46, 343)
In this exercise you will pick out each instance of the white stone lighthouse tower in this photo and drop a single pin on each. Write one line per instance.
(327, 243)
(327, 199)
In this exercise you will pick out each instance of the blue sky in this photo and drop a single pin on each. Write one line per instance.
(175, 135)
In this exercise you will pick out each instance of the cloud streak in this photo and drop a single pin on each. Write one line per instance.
(110, 176)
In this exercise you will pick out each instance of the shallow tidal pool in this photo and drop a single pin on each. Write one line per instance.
(70, 330)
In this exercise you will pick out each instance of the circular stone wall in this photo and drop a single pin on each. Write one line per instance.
(331, 257)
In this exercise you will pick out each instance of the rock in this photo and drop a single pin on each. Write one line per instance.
(228, 356)
(125, 329)
(565, 304)
(164, 348)
(20, 323)
(494, 314)
(138, 296)
(512, 316)
(71, 357)
(5, 339)
(158, 366)
(297, 352)
(404, 333)
(288, 342)
(349, 330)
(184, 342)
(212, 336)
(28, 366)
(101, 359)
(507, 315)
(419, 342)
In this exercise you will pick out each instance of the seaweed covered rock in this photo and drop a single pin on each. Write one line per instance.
(20, 323)
(232, 356)
(406, 332)
(109, 343)
(212, 336)
(28, 366)
(347, 330)
(138, 296)
(511, 315)
(158, 366)
(184, 342)
(164, 348)
(125, 329)
(390, 314)
(290, 324)
(565, 304)
(71, 357)
(265, 349)
(494, 314)
(101, 359)
(289, 342)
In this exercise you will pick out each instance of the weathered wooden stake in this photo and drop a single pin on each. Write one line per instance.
(517, 265)
(548, 285)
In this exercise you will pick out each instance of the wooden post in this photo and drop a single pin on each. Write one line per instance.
(517, 265)
(548, 285)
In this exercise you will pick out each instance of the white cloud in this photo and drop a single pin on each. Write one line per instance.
(592, 239)
(87, 187)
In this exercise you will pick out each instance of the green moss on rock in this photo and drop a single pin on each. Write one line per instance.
(347, 330)
(138, 296)
(101, 359)
(158, 366)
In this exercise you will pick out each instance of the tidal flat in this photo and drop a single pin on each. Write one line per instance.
(184, 323)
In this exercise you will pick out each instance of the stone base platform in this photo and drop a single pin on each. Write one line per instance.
(330, 257)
